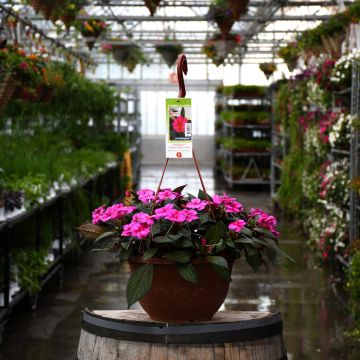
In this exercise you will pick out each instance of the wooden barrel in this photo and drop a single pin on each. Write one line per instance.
(230, 335)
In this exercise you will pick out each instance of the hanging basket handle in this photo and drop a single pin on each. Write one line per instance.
(182, 68)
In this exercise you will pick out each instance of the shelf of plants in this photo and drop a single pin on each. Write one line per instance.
(243, 130)
(317, 112)
(62, 158)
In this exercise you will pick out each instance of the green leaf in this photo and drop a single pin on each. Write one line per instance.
(245, 231)
(104, 235)
(182, 233)
(205, 218)
(218, 260)
(179, 189)
(163, 240)
(230, 243)
(188, 272)
(150, 253)
(139, 283)
(265, 232)
(186, 243)
(204, 196)
(222, 272)
(191, 196)
(255, 261)
(158, 227)
(214, 233)
(178, 256)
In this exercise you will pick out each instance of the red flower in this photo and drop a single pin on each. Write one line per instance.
(23, 65)
(179, 124)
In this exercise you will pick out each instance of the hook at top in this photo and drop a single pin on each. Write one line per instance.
(182, 68)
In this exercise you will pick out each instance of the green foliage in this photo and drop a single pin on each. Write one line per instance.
(30, 265)
(244, 90)
(245, 144)
(245, 117)
(353, 285)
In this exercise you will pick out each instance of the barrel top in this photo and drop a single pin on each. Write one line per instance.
(225, 327)
(219, 317)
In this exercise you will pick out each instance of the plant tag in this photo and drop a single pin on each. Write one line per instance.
(178, 128)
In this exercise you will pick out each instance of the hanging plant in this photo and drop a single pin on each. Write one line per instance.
(222, 15)
(68, 12)
(169, 52)
(290, 55)
(152, 5)
(238, 7)
(91, 30)
(217, 49)
(268, 69)
(127, 55)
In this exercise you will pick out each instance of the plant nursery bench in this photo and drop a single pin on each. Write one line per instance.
(131, 334)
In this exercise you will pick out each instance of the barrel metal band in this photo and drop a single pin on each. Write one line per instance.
(195, 333)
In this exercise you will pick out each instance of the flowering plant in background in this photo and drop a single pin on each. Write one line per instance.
(340, 134)
(328, 235)
(181, 228)
(219, 48)
(92, 27)
(268, 69)
(335, 183)
(323, 73)
(341, 74)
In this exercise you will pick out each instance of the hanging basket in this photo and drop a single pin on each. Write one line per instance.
(91, 38)
(173, 299)
(169, 54)
(46, 10)
(7, 86)
(152, 5)
(121, 53)
(291, 64)
(67, 20)
(238, 7)
(225, 26)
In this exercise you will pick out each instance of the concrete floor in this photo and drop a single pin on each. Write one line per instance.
(314, 321)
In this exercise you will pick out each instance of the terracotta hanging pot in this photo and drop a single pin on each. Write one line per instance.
(152, 5)
(238, 7)
(7, 86)
(174, 300)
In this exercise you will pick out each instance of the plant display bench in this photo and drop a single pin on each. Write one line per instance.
(131, 334)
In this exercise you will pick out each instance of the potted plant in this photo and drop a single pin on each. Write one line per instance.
(181, 248)
(152, 5)
(91, 29)
(290, 55)
(128, 55)
(268, 69)
(220, 13)
(169, 52)
(68, 12)
(238, 7)
(218, 47)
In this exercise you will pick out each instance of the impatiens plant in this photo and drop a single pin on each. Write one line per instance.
(182, 228)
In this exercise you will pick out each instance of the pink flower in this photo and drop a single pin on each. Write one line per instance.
(163, 211)
(237, 225)
(230, 204)
(116, 212)
(143, 219)
(179, 124)
(146, 195)
(175, 216)
(203, 241)
(96, 214)
(265, 220)
(190, 215)
(23, 65)
(197, 204)
(136, 229)
(166, 194)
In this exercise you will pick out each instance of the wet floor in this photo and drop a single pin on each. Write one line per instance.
(314, 320)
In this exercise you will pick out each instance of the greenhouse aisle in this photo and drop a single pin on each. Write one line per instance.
(314, 320)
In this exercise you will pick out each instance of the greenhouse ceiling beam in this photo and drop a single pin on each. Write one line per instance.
(151, 42)
(137, 18)
(207, 3)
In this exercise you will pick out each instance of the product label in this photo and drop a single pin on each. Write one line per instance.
(178, 128)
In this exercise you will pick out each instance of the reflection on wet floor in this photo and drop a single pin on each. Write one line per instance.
(314, 321)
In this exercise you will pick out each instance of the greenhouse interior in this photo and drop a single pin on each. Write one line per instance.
(179, 179)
